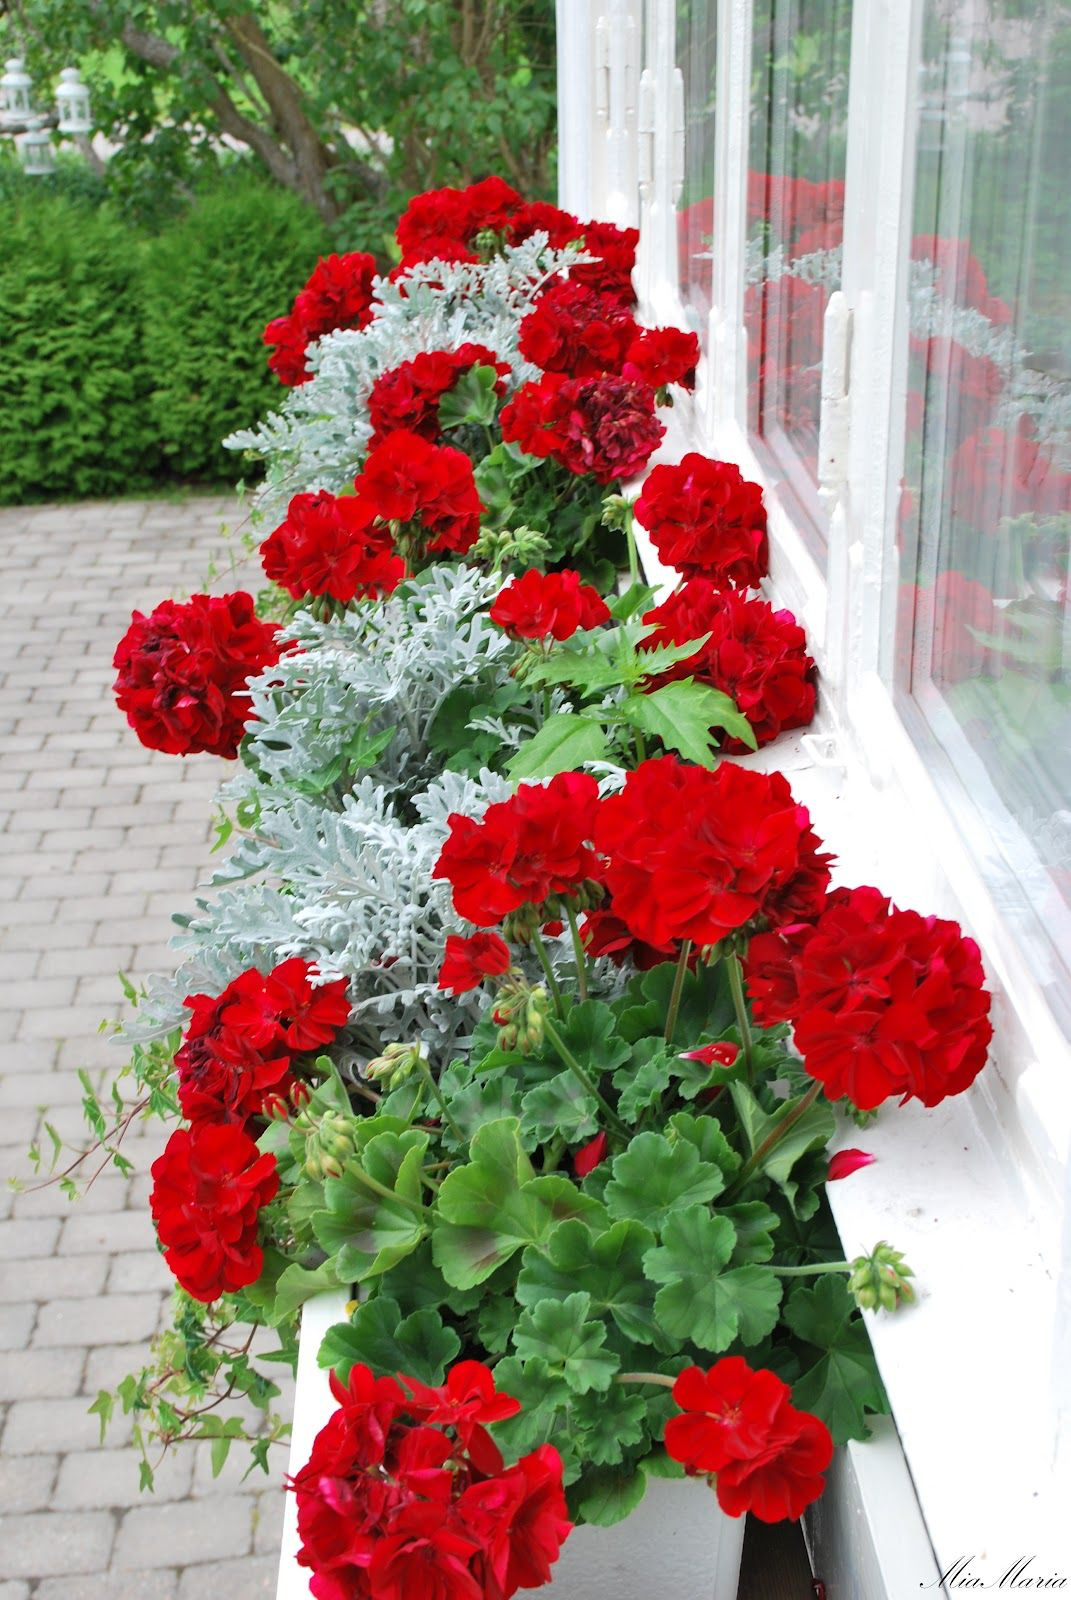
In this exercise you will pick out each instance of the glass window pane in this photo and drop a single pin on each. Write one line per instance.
(697, 36)
(984, 638)
(799, 112)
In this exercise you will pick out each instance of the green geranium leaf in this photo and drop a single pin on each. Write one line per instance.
(590, 1031)
(605, 1495)
(683, 714)
(813, 1131)
(561, 1334)
(487, 1098)
(608, 1264)
(704, 1135)
(706, 1005)
(643, 1080)
(494, 1205)
(702, 1301)
(471, 399)
(545, 1418)
(559, 1106)
(755, 1224)
(419, 1345)
(654, 1178)
(496, 1321)
(370, 1231)
(609, 1426)
(297, 1284)
(563, 743)
(843, 1384)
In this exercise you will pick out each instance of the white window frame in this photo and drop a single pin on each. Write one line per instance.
(976, 1192)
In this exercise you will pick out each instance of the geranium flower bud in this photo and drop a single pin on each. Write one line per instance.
(329, 1144)
(879, 1280)
(394, 1065)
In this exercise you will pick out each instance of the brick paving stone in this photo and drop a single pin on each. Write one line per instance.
(100, 840)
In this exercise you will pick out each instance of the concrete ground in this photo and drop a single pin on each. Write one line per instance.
(100, 841)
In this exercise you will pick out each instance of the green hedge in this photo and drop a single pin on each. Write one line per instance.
(211, 282)
(124, 359)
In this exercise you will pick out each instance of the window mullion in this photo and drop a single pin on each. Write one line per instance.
(724, 399)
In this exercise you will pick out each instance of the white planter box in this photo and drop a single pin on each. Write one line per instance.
(678, 1544)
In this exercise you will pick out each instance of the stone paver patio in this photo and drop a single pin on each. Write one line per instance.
(100, 841)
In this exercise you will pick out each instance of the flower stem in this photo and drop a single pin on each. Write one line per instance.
(736, 988)
(584, 1079)
(812, 1271)
(774, 1137)
(548, 972)
(388, 1194)
(578, 951)
(678, 990)
(633, 556)
(661, 1378)
(437, 1094)
(641, 746)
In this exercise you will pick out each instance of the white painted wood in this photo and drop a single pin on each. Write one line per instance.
(660, 169)
(577, 120)
(313, 1406)
(722, 392)
(618, 49)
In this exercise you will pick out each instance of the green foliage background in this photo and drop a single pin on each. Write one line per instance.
(128, 355)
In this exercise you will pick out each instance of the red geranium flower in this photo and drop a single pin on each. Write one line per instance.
(406, 1496)
(706, 520)
(338, 295)
(539, 216)
(883, 1002)
(740, 1424)
(469, 961)
(454, 218)
(605, 934)
(183, 672)
(326, 547)
(554, 604)
(578, 331)
(694, 854)
(605, 426)
(429, 488)
(754, 654)
(615, 252)
(663, 355)
(407, 397)
(208, 1188)
(523, 850)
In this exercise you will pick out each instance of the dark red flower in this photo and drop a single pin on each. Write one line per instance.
(754, 654)
(555, 604)
(426, 487)
(604, 426)
(208, 1188)
(707, 521)
(539, 216)
(740, 1424)
(694, 854)
(469, 961)
(663, 355)
(523, 850)
(338, 295)
(327, 547)
(615, 252)
(407, 397)
(883, 1002)
(588, 1157)
(578, 331)
(183, 672)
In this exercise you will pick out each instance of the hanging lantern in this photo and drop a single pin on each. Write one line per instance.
(36, 153)
(15, 90)
(72, 103)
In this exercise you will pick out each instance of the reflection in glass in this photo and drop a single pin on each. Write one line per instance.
(697, 34)
(799, 109)
(984, 641)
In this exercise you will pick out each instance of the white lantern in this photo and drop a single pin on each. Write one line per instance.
(15, 89)
(36, 152)
(72, 103)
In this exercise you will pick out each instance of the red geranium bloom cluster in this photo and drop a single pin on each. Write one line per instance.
(524, 850)
(407, 397)
(663, 355)
(428, 487)
(326, 546)
(405, 1495)
(236, 1056)
(183, 672)
(208, 1188)
(338, 295)
(706, 520)
(468, 962)
(754, 654)
(694, 854)
(578, 330)
(605, 426)
(605, 934)
(539, 216)
(615, 250)
(740, 1424)
(882, 1002)
(548, 605)
(443, 224)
